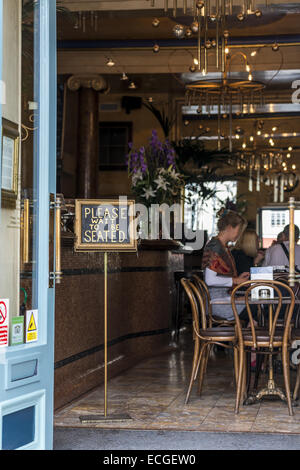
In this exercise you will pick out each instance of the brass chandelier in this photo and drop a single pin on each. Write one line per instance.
(269, 168)
(206, 13)
(224, 93)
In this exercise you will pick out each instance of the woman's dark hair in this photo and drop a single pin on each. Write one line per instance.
(230, 218)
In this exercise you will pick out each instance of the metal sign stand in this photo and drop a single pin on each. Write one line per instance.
(94, 419)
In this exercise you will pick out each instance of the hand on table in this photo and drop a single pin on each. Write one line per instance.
(241, 278)
(259, 257)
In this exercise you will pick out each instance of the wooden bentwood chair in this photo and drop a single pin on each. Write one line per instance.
(213, 320)
(275, 337)
(204, 336)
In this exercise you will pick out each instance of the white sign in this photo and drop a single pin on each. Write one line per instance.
(31, 326)
(4, 321)
(264, 273)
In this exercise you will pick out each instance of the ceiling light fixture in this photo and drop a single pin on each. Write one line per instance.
(225, 93)
(206, 14)
(124, 76)
(110, 62)
(132, 86)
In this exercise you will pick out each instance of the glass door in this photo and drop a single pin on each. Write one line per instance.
(29, 233)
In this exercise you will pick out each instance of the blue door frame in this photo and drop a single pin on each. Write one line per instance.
(27, 371)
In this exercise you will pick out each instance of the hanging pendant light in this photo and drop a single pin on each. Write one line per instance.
(205, 14)
(225, 91)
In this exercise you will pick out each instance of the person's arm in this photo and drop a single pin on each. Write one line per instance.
(213, 279)
(266, 261)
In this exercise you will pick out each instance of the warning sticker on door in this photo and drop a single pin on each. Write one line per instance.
(31, 326)
(4, 317)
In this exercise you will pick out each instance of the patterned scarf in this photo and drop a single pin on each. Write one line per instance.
(218, 258)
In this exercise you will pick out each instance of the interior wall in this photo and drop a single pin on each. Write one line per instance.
(10, 217)
(110, 183)
(143, 122)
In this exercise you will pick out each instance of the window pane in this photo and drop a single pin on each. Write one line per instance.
(18, 428)
(113, 147)
(201, 214)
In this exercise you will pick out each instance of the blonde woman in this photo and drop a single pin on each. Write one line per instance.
(220, 273)
(246, 252)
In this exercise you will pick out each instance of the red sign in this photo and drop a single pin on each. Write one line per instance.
(4, 309)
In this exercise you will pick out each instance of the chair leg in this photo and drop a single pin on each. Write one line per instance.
(202, 368)
(244, 381)
(286, 374)
(239, 382)
(209, 347)
(195, 363)
(259, 362)
(248, 370)
(205, 361)
(296, 389)
(199, 361)
(236, 364)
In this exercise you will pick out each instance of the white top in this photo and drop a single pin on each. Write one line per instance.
(214, 279)
(275, 256)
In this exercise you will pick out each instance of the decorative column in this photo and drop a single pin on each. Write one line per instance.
(88, 132)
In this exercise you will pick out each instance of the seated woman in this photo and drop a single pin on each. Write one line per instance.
(218, 263)
(246, 252)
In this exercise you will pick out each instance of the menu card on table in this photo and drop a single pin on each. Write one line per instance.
(264, 273)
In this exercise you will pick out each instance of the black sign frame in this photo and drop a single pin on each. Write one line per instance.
(95, 209)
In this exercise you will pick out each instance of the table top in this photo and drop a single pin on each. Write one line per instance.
(241, 301)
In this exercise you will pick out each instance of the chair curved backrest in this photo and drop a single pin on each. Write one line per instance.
(197, 305)
(284, 277)
(204, 291)
(278, 287)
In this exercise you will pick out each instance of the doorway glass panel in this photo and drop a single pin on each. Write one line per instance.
(21, 160)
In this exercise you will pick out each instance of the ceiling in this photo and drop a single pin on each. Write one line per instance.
(93, 31)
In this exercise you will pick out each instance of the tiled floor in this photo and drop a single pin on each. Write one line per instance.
(153, 392)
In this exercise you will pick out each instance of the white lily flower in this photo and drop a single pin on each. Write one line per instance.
(149, 192)
(161, 183)
(173, 174)
(136, 177)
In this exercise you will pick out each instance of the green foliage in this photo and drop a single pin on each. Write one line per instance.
(193, 152)
(162, 117)
(200, 166)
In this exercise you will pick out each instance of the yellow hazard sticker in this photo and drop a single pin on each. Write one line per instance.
(31, 326)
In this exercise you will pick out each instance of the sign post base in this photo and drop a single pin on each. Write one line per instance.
(94, 419)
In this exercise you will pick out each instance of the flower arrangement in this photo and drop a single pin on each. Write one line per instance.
(153, 170)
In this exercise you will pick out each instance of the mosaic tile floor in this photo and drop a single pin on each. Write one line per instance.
(153, 392)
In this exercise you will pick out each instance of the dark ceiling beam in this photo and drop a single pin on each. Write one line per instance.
(255, 41)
